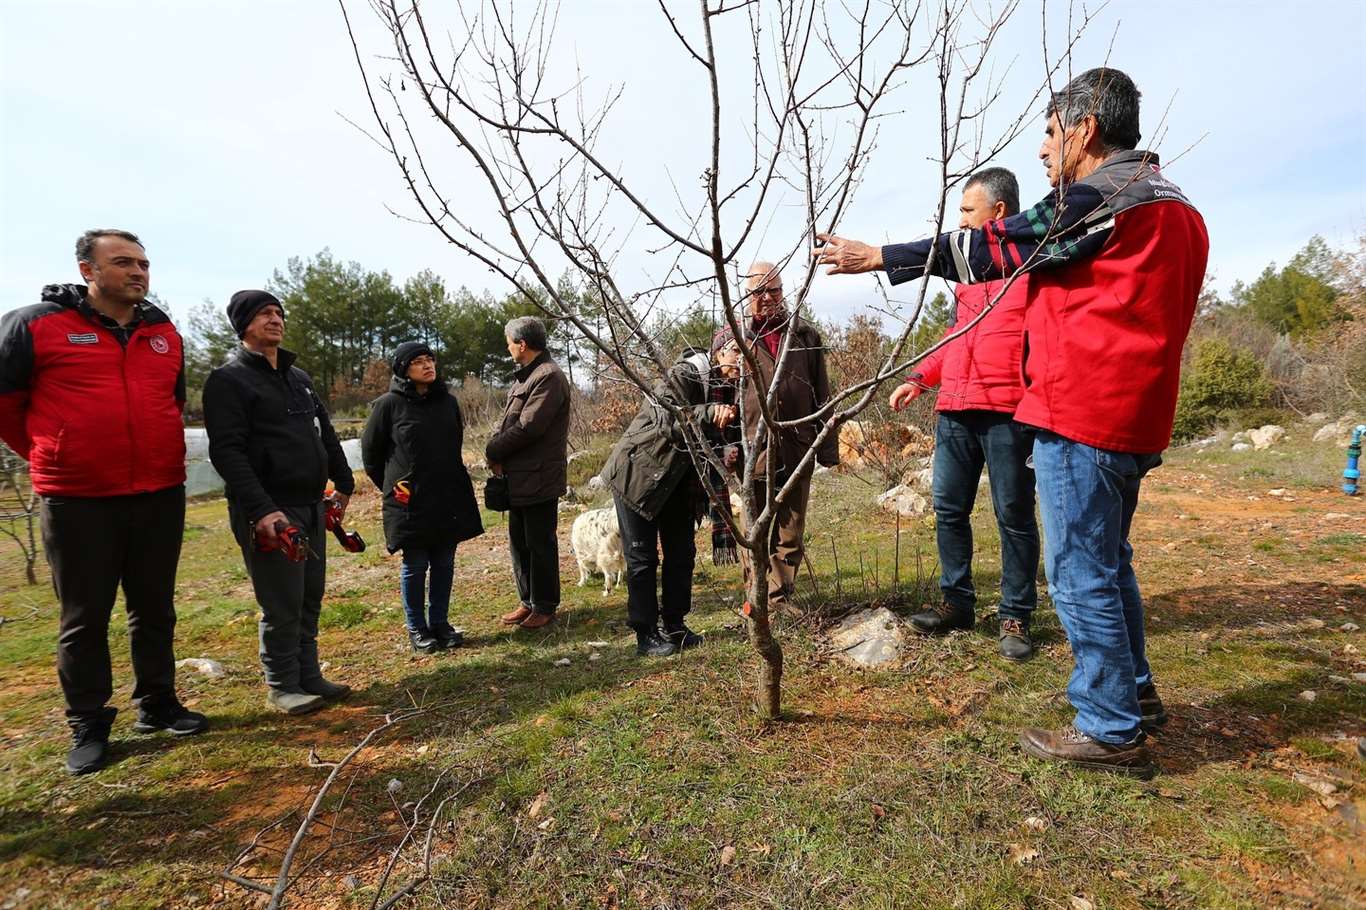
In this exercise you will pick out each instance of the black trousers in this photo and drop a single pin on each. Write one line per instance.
(290, 595)
(94, 546)
(536, 555)
(672, 529)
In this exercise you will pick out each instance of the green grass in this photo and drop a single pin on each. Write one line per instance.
(656, 783)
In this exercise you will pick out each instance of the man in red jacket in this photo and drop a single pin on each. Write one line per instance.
(979, 378)
(1117, 254)
(92, 383)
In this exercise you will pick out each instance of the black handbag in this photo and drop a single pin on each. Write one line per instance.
(496, 495)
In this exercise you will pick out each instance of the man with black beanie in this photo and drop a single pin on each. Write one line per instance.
(271, 440)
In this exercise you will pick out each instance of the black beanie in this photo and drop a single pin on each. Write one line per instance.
(406, 354)
(244, 306)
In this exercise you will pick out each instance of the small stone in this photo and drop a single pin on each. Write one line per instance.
(395, 785)
(203, 666)
(1021, 855)
(1319, 785)
(538, 805)
(727, 855)
(1316, 417)
(870, 638)
(1308, 695)
(595, 644)
(1266, 436)
(1081, 903)
(1276, 492)
(1239, 447)
(1034, 823)
(904, 501)
(595, 656)
(596, 483)
(563, 662)
(1336, 516)
(1348, 627)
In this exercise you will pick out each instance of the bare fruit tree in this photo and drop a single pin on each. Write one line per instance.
(19, 509)
(488, 117)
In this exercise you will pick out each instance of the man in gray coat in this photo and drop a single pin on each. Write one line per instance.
(531, 449)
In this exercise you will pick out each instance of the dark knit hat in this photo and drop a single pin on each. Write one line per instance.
(407, 353)
(244, 306)
(723, 337)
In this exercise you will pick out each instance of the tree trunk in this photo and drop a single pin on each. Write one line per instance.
(770, 675)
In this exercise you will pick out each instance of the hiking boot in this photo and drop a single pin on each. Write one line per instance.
(90, 742)
(1150, 706)
(423, 642)
(942, 619)
(1071, 746)
(1015, 642)
(650, 643)
(328, 691)
(537, 621)
(681, 636)
(516, 616)
(294, 703)
(173, 717)
(449, 637)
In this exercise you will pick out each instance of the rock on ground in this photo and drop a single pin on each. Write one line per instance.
(210, 668)
(903, 500)
(870, 638)
(1241, 447)
(1265, 437)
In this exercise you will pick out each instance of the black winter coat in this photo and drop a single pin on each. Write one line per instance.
(269, 435)
(417, 438)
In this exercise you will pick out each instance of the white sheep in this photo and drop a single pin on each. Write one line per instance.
(596, 540)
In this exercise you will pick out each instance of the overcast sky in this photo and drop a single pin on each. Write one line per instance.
(213, 129)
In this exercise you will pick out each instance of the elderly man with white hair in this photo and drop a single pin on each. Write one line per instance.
(803, 388)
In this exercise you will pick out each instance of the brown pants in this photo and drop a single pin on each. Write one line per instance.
(786, 551)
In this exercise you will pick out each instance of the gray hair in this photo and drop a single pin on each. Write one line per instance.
(1000, 185)
(1106, 94)
(85, 244)
(528, 329)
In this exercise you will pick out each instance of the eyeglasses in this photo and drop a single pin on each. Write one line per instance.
(768, 292)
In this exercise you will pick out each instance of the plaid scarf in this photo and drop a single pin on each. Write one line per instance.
(723, 547)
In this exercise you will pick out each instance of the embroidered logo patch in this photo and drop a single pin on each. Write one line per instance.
(84, 338)
(159, 344)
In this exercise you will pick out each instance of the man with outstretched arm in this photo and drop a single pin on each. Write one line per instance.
(273, 443)
(92, 384)
(978, 375)
(1116, 256)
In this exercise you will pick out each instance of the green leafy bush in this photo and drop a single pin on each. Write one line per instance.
(1219, 383)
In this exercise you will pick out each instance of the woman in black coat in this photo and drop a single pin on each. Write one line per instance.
(411, 449)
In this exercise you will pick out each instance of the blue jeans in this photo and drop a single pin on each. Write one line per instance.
(963, 442)
(1087, 498)
(412, 582)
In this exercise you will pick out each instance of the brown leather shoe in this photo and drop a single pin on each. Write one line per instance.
(1072, 746)
(537, 621)
(516, 616)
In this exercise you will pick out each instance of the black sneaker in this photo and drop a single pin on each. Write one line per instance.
(682, 637)
(1150, 707)
(651, 644)
(90, 742)
(448, 637)
(943, 618)
(1015, 642)
(423, 642)
(173, 717)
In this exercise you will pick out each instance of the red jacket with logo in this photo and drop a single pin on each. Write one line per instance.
(980, 371)
(1115, 265)
(93, 417)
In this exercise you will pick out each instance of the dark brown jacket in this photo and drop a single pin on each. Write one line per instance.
(532, 442)
(804, 388)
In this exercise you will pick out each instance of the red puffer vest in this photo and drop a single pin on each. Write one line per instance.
(93, 417)
(980, 371)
